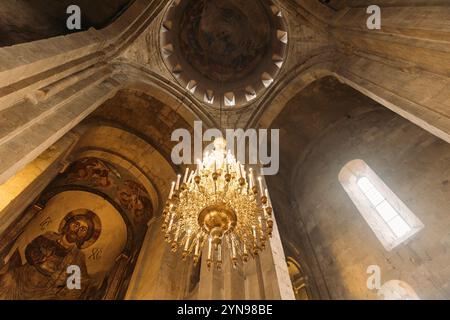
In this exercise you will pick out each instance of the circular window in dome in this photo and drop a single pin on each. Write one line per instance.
(225, 52)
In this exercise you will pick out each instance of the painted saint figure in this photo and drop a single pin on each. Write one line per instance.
(93, 171)
(44, 273)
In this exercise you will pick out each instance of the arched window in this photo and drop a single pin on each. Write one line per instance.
(298, 279)
(390, 219)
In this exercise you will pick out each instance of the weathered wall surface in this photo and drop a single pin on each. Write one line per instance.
(405, 65)
(141, 113)
(320, 221)
(24, 21)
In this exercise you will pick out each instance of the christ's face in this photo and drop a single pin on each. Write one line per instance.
(77, 230)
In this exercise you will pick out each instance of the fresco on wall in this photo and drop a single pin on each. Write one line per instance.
(92, 171)
(113, 181)
(133, 197)
(65, 233)
(47, 257)
(93, 214)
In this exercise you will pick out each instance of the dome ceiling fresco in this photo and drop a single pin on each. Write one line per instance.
(225, 52)
(212, 42)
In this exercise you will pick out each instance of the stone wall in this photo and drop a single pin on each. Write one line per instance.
(25, 21)
(141, 113)
(319, 221)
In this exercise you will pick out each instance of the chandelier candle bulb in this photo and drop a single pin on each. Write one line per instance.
(172, 190)
(255, 240)
(219, 252)
(268, 207)
(233, 253)
(197, 247)
(233, 249)
(186, 175)
(260, 220)
(219, 257)
(177, 233)
(261, 185)
(245, 253)
(250, 178)
(191, 176)
(188, 237)
(266, 192)
(209, 260)
(170, 223)
(177, 187)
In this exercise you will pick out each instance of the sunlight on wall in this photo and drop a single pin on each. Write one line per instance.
(12, 189)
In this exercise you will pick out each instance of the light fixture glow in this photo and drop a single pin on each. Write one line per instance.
(220, 206)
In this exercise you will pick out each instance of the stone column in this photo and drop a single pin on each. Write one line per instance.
(116, 275)
(264, 278)
(211, 286)
(159, 273)
(273, 268)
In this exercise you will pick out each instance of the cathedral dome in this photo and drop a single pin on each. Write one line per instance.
(225, 52)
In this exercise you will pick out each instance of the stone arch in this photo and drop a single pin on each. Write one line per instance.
(132, 77)
(119, 160)
(121, 146)
(317, 215)
(431, 120)
(286, 89)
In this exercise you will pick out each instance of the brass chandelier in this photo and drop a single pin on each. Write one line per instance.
(219, 205)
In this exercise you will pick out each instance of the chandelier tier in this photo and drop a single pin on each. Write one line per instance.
(220, 206)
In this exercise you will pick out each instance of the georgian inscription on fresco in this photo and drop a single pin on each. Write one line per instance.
(96, 254)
